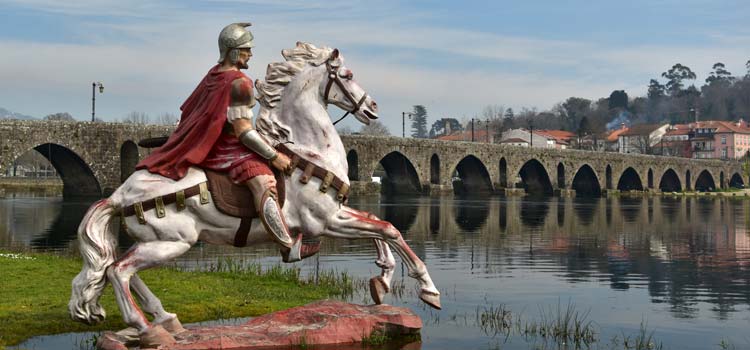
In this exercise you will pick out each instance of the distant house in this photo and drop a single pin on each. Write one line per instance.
(538, 140)
(675, 142)
(611, 139)
(714, 139)
(562, 139)
(641, 138)
(515, 142)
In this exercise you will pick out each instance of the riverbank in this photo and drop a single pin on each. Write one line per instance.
(41, 186)
(36, 289)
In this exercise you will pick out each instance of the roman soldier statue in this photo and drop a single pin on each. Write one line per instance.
(216, 132)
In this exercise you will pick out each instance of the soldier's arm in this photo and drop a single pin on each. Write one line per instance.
(240, 114)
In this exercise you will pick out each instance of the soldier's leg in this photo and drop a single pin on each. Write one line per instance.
(270, 214)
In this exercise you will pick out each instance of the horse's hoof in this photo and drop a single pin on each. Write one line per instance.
(155, 337)
(430, 298)
(173, 326)
(378, 289)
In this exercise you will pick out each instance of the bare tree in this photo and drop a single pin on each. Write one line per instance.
(166, 119)
(344, 130)
(136, 118)
(375, 128)
(64, 116)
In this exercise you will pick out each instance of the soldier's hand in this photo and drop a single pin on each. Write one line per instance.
(282, 162)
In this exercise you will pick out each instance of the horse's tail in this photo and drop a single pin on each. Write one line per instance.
(97, 245)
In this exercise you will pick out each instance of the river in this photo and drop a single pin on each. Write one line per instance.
(680, 267)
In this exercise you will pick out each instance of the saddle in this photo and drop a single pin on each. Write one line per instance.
(237, 200)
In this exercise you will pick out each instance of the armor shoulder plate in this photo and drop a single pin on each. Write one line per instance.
(242, 93)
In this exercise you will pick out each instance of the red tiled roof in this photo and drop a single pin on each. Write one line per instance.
(612, 137)
(641, 129)
(678, 129)
(721, 126)
(562, 135)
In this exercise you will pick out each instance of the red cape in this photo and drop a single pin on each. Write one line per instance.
(204, 114)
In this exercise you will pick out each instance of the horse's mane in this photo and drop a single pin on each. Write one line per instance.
(278, 76)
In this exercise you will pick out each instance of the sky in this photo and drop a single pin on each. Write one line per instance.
(453, 57)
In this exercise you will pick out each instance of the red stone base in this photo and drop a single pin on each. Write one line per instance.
(319, 323)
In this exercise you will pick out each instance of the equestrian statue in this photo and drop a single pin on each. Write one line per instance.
(220, 179)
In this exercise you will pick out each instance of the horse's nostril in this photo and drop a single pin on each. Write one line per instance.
(374, 106)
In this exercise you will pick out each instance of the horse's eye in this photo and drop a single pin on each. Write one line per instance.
(346, 74)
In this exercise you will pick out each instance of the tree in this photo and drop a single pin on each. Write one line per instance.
(675, 76)
(509, 113)
(656, 90)
(572, 110)
(419, 122)
(136, 118)
(618, 99)
(166, 119)
(344, 130)
(719, 75)
(375, 128)
(64, 116)
(445, 126)
(747, 66)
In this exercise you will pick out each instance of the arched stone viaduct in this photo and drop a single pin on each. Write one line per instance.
(94, 158)
(423, 165)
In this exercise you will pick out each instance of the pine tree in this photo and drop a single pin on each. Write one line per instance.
(419, 122)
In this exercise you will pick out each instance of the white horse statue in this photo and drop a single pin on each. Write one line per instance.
(293, 110)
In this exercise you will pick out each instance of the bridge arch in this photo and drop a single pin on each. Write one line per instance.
(650, 177)
(128, 159)
(586, 183)
(77, 177)
(473, 176)
(352, 159)
(670, 182)
(736, 181)
(535, 179)
(629, 180)
(400, 174)
(705, 182)
(435, 169)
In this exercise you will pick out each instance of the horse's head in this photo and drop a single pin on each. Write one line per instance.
(341, 90)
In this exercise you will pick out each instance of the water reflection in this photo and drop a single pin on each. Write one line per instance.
(688, 257)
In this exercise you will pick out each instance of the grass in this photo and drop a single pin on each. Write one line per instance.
(35, 289)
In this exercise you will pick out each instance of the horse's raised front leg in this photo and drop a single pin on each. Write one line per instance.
(352, 224)
(379, 285)
(142, 256)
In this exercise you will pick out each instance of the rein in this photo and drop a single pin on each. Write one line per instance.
(333, 77)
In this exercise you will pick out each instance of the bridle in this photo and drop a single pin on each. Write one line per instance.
(333, 77)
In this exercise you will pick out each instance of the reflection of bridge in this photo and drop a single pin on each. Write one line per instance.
(93, 158)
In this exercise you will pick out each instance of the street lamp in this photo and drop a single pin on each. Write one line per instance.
(472, 129)
(403, 122)
(93, 97)
(531, 134)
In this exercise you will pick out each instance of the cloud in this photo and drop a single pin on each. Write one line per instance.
(150, 55)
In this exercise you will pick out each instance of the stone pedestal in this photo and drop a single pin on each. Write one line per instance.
(319, 323)
(517, 192)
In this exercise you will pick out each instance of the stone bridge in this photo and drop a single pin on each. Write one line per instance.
(94, 158)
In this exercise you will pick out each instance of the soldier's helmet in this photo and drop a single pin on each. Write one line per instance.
(234, 36)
